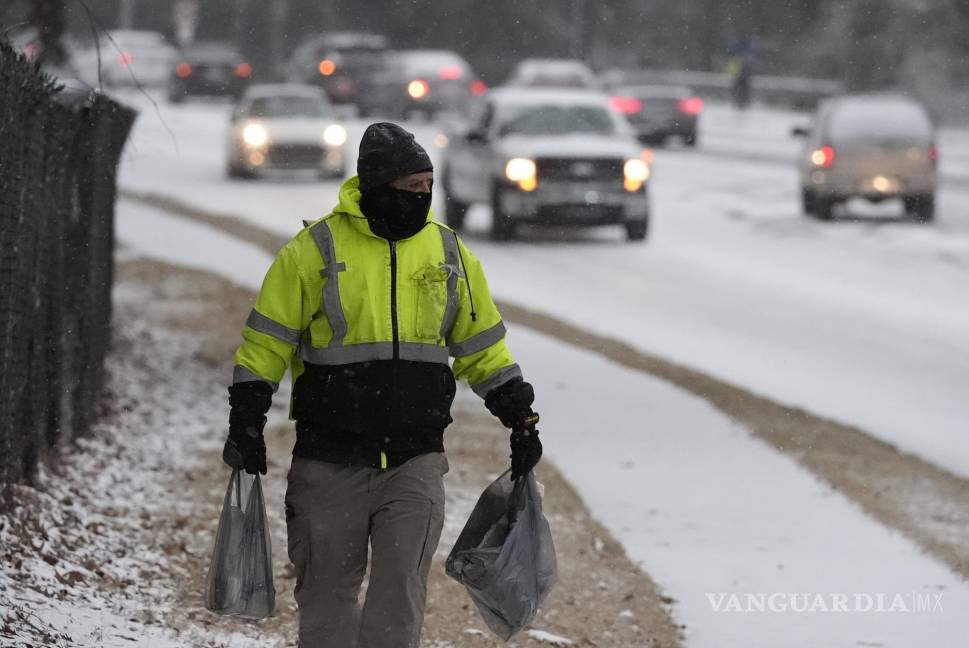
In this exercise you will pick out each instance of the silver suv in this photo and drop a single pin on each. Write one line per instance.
(876, 147)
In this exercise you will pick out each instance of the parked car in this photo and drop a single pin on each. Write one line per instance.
(553, 73)
(342, 63)
(877, 147)
(658, 112)
(127, 58)
(210, 68)
(285, 127)
(548, 157)
(425, 82)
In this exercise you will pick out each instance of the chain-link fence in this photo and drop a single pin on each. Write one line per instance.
(57, 190)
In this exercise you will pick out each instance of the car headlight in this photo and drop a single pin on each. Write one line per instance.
(635, 172)
(255, 135)
(522, 171)
(418, 88)
(519, 169)
(335, 135)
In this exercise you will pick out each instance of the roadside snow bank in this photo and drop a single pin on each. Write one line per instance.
(153, 234)
(89, 557)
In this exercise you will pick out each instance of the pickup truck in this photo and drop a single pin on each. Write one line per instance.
(551, 158)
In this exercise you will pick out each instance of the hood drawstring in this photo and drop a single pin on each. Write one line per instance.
(467, 282)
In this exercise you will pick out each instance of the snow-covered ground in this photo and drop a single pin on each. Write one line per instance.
(92, 548)
(705, 509)
(864, 320)
(709, 512)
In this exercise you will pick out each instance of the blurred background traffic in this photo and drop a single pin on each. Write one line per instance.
(547, 117)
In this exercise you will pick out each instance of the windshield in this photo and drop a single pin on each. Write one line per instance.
(553, 80)
(355, 56)
(557, 120)
(431, 63)
(287, 107)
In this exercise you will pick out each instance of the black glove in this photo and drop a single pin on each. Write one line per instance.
(526, 448)
(512, 402)
(245, 447)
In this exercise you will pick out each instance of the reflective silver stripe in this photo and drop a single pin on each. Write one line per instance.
(374, 351)
(259, 322)
(478, 342)
(243, 374)
(452, 263)
(331, 290)
(499, 377)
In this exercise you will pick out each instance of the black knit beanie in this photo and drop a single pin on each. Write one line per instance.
(388, 152)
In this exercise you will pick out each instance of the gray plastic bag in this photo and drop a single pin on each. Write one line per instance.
(240, 579)
(505, 556)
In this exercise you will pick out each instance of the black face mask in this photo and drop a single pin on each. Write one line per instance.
(395, 214)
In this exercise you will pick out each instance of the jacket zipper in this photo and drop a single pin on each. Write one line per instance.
(393, 297)
(396, 339)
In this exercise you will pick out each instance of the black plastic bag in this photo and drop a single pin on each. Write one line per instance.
(240, 580)
(505, 556)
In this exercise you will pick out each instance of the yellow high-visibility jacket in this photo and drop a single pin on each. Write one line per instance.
(368, 326)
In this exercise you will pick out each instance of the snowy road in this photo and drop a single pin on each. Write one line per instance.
(865, 320)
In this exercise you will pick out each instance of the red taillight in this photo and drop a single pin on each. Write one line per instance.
(124, 59)
(243, 70)
(823, 157)
(450, 73)
(933, 154)
(626, 105)
(691, 106)
(183, 70)
(478, 88)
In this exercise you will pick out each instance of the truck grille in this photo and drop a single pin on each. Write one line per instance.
(295, 155)
(579, 169)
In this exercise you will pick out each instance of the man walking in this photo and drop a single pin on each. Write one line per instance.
(366, 306)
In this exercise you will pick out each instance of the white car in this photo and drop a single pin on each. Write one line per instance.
(126, 56)
(285, 127)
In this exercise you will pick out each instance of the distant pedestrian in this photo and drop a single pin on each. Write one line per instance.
(740, 68)
(365, 306)
(740, 84)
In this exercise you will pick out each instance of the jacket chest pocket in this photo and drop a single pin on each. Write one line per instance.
(432, 297)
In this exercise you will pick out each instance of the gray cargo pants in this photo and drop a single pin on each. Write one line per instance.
(331, 512)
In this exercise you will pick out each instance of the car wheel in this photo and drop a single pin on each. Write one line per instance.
(921, 207)
(176, 98)
(329, 174)
(502, 226)
(237, 172)
(823, 208)
(637, 230)
(690, 140)
(808, 201)
(454, 210)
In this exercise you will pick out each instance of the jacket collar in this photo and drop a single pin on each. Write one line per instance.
(349, 204)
